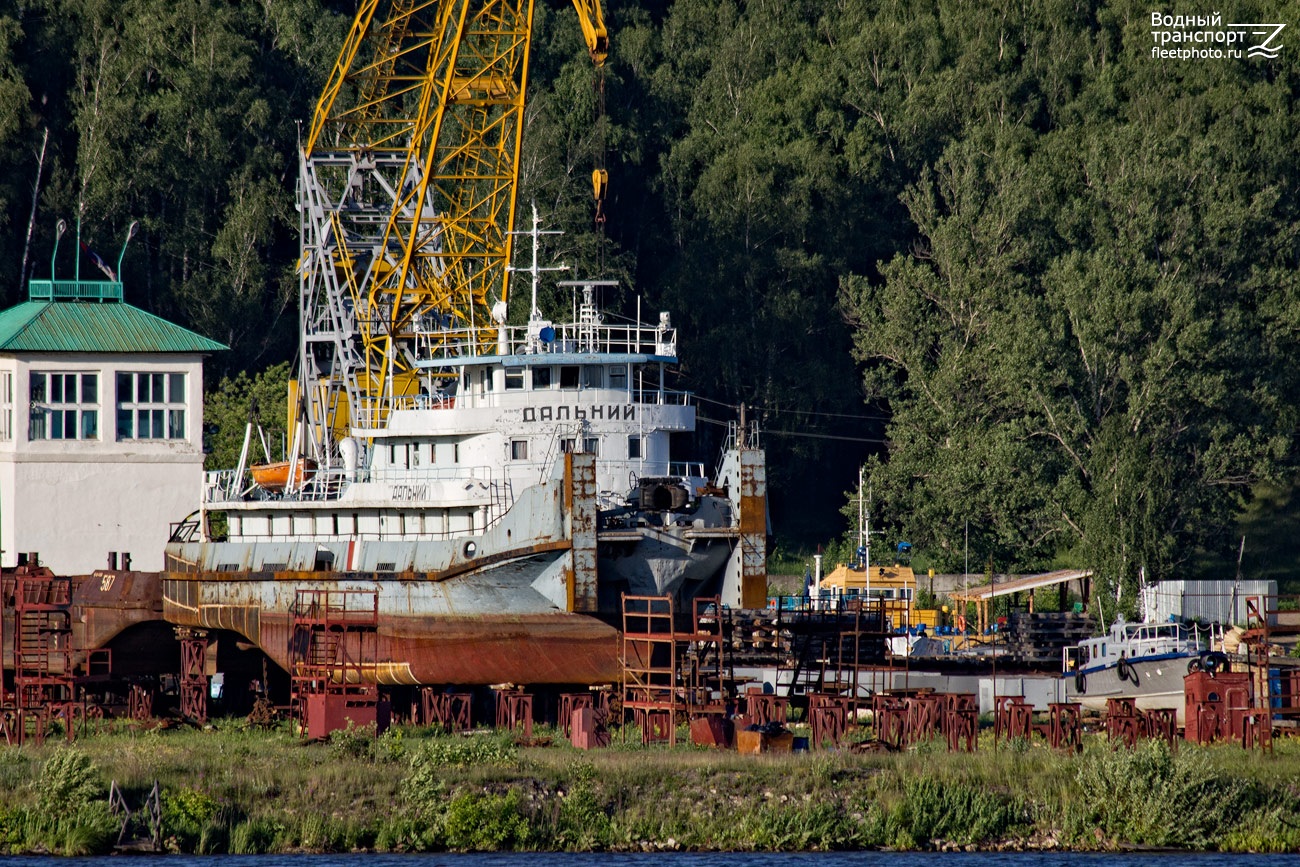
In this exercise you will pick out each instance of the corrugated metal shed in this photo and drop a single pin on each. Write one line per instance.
(89, 326)
(1207, 601)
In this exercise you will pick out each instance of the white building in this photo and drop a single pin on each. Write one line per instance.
(101, 427)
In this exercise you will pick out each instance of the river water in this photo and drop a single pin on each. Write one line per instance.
(686, 859)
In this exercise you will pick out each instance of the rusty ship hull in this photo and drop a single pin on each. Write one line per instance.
(482, 627)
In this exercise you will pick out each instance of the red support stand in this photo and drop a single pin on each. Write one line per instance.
(961, 722)
(515, 711)
(140, 703)
(1066, 732)
(194, 679)
(829, 717)
(451, 710)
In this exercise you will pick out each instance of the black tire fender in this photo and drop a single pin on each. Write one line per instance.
(1124, 669)
(1194, 665)
(1215, 662)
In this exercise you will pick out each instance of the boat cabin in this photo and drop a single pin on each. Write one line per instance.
(1132, 640)
(893, 586)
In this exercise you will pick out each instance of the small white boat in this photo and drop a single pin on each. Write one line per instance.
(1143, 661)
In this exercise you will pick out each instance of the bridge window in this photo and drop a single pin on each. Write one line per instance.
(634, 447)
(593, 377)
(64, 406)
(618, 378)
(541, 377)
(515, 379)
(569, 376)
(151, 406)
(519, 450)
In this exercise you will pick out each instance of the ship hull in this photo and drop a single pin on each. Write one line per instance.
(473, 649)
(1155, 683)
(494, 625)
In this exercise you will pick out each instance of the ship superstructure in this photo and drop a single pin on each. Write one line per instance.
(496, 488)
(499, 511)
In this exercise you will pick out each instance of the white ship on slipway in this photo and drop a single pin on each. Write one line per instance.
(498, 511)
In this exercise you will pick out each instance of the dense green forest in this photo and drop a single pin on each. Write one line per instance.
(1044, 282)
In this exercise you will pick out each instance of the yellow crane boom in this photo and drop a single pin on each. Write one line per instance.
(409, 173)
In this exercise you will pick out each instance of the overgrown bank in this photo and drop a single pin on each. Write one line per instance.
(251, 792)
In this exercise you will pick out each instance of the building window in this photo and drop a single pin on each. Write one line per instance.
(6, 406)
(519, 450)
(515, 379)
(634, 447)
(64, 406)
(541, 377)
(151, 406)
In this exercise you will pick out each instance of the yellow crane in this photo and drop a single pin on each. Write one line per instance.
(407, 195)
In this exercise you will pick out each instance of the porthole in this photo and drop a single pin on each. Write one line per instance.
(470, 549)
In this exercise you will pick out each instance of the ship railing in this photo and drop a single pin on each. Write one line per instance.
(570, 338)
(325, 484)
(373, 415)
(686, 470)
(434, 473)
(220, 486)
(662, 397)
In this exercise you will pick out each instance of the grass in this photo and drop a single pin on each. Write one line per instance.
(238, 791)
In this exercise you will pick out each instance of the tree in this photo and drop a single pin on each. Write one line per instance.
(260, 400)
(1085, 352)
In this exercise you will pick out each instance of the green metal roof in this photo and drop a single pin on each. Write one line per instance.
(94, 326)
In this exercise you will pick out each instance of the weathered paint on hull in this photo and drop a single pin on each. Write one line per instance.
(484, 649)
(105, 604)
(490, 626)
(1158, 685)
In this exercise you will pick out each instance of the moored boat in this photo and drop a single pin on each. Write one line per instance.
(1145, 662)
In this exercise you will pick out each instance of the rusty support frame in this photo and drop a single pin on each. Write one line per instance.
(650, 664)
(42, 639)
(514, 711)
(828, 716)
(333, 654)
(1066, 728)
(451, 710)
(194, 679)
(140, 703)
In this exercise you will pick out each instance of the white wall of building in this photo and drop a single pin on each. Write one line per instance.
(76, 500)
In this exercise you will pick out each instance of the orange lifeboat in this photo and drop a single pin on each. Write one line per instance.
(274, 477)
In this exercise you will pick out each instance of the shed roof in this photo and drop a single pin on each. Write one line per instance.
(1025, 582)
(94, 326)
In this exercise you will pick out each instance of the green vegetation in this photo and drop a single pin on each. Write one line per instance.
(238, 791)
(239, 399)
